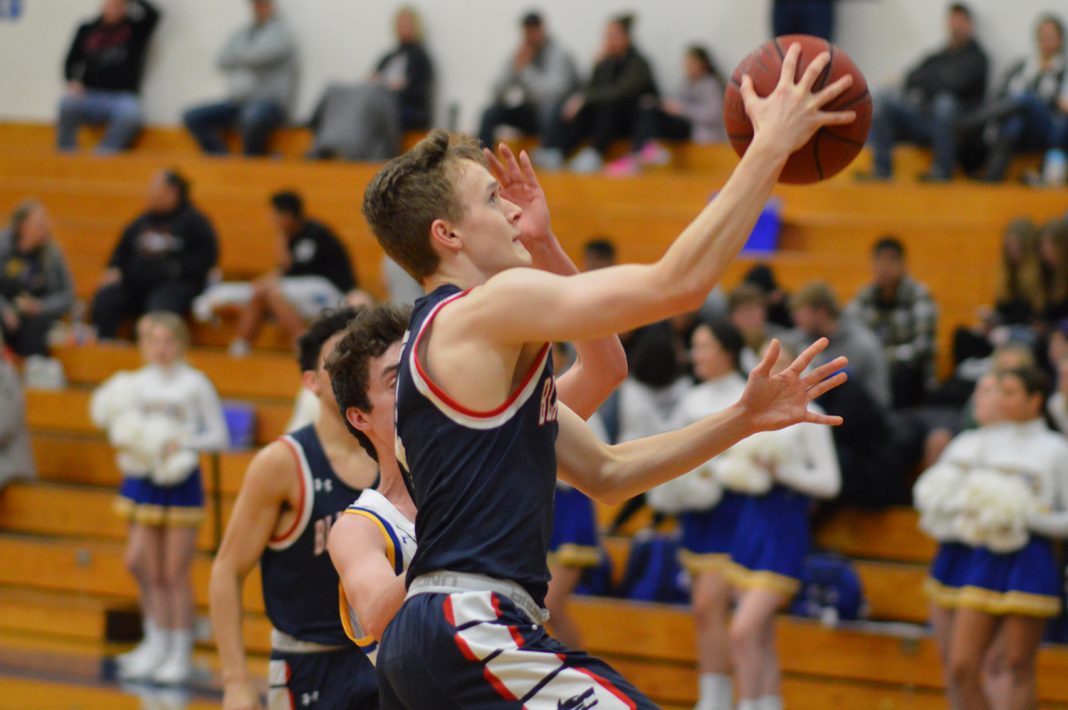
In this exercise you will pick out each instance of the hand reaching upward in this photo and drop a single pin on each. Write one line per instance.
(520, 185)
(780, 400)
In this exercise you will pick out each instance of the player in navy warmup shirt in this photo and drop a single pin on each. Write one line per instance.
(293, 492)
(477, 415)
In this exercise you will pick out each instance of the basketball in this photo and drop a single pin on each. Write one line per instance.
(831, 148)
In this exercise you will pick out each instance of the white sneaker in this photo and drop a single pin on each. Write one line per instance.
(587, 161)
(203, 308)
(177, 667)
(239, 349)
(142, 662)
(548, 158)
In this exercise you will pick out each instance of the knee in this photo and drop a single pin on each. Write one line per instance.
(69, 106)
(257, 116)
(128, 112)
(1020, 667)
(964, 671)
(743, 639)
(709, 607)
(174, 575)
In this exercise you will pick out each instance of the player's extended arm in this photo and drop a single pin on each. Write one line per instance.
(612, 474)
(526, 305)
(601, 365)
(374, 590)
(253, 520)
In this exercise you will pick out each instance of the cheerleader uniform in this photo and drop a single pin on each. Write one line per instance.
(187, 395)
(707, 535)
(950, 563)
(773, 536)
(1025, 582)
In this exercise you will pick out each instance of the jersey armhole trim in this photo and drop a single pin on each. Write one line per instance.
(304, 505)
(454, 410)
(394, 553)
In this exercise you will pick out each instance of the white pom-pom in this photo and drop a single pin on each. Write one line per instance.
(117, 395)
(696, 490)
(994, 511)
(938, 496)
(172, 470)
(126, 430)
(743, 468)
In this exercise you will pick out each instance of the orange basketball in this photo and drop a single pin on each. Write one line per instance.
(831, 148)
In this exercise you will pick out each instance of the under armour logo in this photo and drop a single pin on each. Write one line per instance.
(307, 699)
(578, 702)
(323, 485)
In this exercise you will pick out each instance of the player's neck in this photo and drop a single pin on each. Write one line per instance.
(391, 486)
(459, 272)
(346, 456)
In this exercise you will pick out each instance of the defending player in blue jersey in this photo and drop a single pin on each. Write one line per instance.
(293, 492)
(479, 428)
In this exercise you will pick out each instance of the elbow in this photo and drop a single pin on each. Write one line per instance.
(615, 368)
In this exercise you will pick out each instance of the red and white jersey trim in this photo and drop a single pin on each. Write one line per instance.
(455, 411)
(306, 501)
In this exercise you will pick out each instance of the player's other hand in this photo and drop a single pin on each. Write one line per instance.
(774, 401)
(519, 185)
(240, 696)
(793, 112)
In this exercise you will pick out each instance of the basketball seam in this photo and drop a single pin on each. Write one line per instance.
(816, 152)
(843, 139)
(821, 81)
(739, 137)
(853, 102)
(782, 54)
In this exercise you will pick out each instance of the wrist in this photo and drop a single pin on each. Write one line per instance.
(741, 421)
(765, 147)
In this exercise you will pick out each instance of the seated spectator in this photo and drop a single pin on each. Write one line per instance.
(1030, 113)
(259, 64)
(803, 17)
(408, 72)
(817, 315)
(103, 72)
(16, 456)
(747, 310)
(598, 253)
(162, 260)
(944, 86)
(1053, 256)
(605, 110)
(538, 76)
(366, 121)
(1057, 406)
(314, 272)
(696, 115)
(899, 310)
(776, 298)
(399, 284)
(36, 288)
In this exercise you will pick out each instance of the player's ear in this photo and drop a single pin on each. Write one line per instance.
(310, 381)
(442, 236)
(358, 419)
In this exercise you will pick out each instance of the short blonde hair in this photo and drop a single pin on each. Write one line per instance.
(171, 321)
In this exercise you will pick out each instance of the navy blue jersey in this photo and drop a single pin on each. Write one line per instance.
(299, 581)
(483, 482)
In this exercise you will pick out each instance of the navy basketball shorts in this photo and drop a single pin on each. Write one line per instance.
(331, 680)
(478, 650)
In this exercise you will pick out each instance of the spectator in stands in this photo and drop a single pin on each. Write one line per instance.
(162, 260)
(16, 457)
(314, 272)
(1057, 408)
(805, 17)
(399, 284)
(259, 64)
(747, 310)
(777, 299)
(159, 418)
(605, 110)
(408, 71)
(103, 72)
(695, 115)
(901, 313)
(1031, 111)
(536, 78)
(597, 253)
(36, 288)
(941, 89)
(817, 315)
(1053, 255)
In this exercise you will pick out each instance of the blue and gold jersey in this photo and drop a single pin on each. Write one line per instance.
(483, 482)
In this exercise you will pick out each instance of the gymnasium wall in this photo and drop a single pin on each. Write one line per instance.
(469, 38)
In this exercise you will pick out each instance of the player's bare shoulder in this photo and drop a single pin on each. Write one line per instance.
(273, 474)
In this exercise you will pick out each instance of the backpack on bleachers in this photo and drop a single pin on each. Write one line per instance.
(653, 573)
(831, 590)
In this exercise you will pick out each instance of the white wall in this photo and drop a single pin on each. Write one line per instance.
(469, 40)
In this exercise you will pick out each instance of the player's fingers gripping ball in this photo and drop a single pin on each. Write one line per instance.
(831, 148)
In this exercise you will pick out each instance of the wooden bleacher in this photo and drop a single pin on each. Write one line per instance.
(61, 548)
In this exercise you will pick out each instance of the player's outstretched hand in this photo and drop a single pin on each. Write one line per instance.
(793, 112)
(779, 400)
(520, 185)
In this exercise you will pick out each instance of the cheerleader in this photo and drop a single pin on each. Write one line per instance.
(158, 418)
(715, 349)
(1011, 504)
(782, 471)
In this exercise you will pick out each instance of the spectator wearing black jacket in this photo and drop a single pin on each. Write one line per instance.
(408, 72)
(314, 273)
(606, 109)
(103, 72)
(162, 260)
(945, 86)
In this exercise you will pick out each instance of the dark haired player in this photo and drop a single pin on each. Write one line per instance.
(293, 492)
